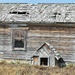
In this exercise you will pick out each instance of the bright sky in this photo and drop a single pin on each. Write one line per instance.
(37, 1)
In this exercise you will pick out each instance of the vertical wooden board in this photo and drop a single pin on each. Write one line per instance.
(35, 60)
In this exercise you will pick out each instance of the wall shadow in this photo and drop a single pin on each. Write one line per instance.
(60, 62)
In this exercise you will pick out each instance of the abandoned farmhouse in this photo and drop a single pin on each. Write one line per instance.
(41, 34)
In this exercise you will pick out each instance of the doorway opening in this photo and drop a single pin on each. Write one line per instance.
(44, 61)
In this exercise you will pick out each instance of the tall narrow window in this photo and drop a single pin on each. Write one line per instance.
(19, 39)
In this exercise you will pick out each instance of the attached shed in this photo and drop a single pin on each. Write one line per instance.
(48, 56)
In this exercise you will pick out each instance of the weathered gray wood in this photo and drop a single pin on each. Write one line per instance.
(63, 39)
(5, 39)
(37, 13)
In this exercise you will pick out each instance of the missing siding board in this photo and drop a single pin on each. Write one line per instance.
(55, 14)
(19, 12)
(14, 12)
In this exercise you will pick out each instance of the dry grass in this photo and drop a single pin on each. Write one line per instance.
(26, 69)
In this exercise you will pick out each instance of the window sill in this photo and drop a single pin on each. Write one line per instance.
(18, 49)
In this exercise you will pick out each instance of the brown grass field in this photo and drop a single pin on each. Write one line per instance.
(26, 69)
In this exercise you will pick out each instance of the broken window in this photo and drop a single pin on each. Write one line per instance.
(19, 39)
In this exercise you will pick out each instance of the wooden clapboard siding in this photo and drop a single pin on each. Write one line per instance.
(62, 38)
(5, 39)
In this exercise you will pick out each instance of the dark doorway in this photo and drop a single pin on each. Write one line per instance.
(44, 61)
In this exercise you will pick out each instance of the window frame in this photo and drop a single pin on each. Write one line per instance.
(13, 39)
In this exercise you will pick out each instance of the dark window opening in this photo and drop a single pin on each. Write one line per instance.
(19, 44)
(44, 61)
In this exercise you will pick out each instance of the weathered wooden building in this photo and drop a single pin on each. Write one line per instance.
(41, 34)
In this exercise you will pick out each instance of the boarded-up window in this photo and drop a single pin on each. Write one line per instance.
(19, 39)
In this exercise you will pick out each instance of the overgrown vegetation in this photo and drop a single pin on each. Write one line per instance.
(27, 69)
